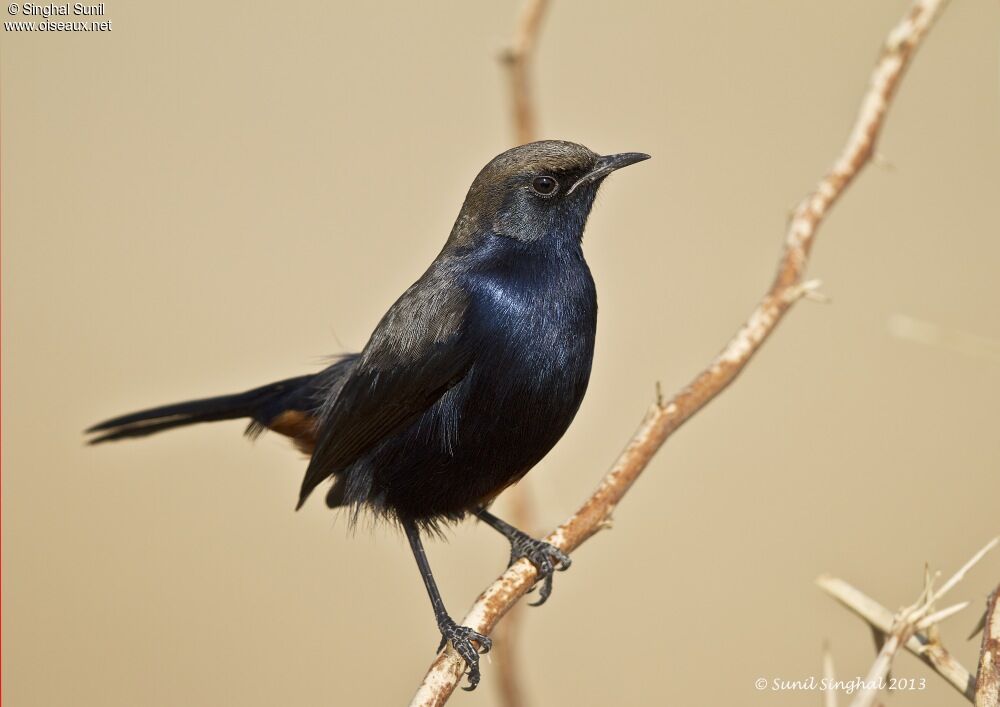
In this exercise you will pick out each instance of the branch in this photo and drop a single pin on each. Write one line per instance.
(930, 334)
(913, 627)
(919, 616)
(830, 676)
(517, 59)
(508, 634)
(662, 420)
(988, 679)
(919, 644)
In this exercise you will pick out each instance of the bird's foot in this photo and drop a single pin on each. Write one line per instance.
(462, 637)
(546, 558)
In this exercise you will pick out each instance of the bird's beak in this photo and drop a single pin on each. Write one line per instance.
(606, 165)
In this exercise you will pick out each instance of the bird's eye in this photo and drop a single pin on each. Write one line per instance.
(544, 186)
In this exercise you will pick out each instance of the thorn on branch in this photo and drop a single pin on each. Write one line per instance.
(807, 290)
(912, 627)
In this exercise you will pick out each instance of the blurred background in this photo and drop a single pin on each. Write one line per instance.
(216, 195)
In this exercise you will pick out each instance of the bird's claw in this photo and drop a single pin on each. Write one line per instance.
(462, 637)
(546, 558)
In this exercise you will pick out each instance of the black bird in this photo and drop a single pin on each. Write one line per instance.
(470, 378)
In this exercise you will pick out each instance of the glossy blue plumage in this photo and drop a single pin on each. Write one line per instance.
(530, 319)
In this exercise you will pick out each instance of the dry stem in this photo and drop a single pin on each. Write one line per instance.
(919, 616)
(830, 675)
(518, 61)
(913, 627)
(919, 644)
(988, 679)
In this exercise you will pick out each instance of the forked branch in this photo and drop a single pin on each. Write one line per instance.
(912, 628)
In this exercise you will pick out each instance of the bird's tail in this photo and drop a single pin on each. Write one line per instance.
(258, 404)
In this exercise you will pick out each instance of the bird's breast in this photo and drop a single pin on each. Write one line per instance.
(539, 327)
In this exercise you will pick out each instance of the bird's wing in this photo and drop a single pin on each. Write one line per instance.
(418, 351)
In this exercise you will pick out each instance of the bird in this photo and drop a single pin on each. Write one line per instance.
(466, 383)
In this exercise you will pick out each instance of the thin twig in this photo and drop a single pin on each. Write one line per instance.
(883, 662)
(988, 678)
(505, 652)
(919, 616)
(960, 575)
(517, 59)
(919, 644)
(830, 676)
(930, 334)
(505, 656)
(662, 420)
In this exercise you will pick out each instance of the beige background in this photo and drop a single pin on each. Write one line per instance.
(215, 195)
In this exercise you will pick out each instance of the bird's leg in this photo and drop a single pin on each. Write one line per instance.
(544, 556)
(461, 637)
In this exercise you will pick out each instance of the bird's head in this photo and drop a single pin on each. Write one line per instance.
(541, 189)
